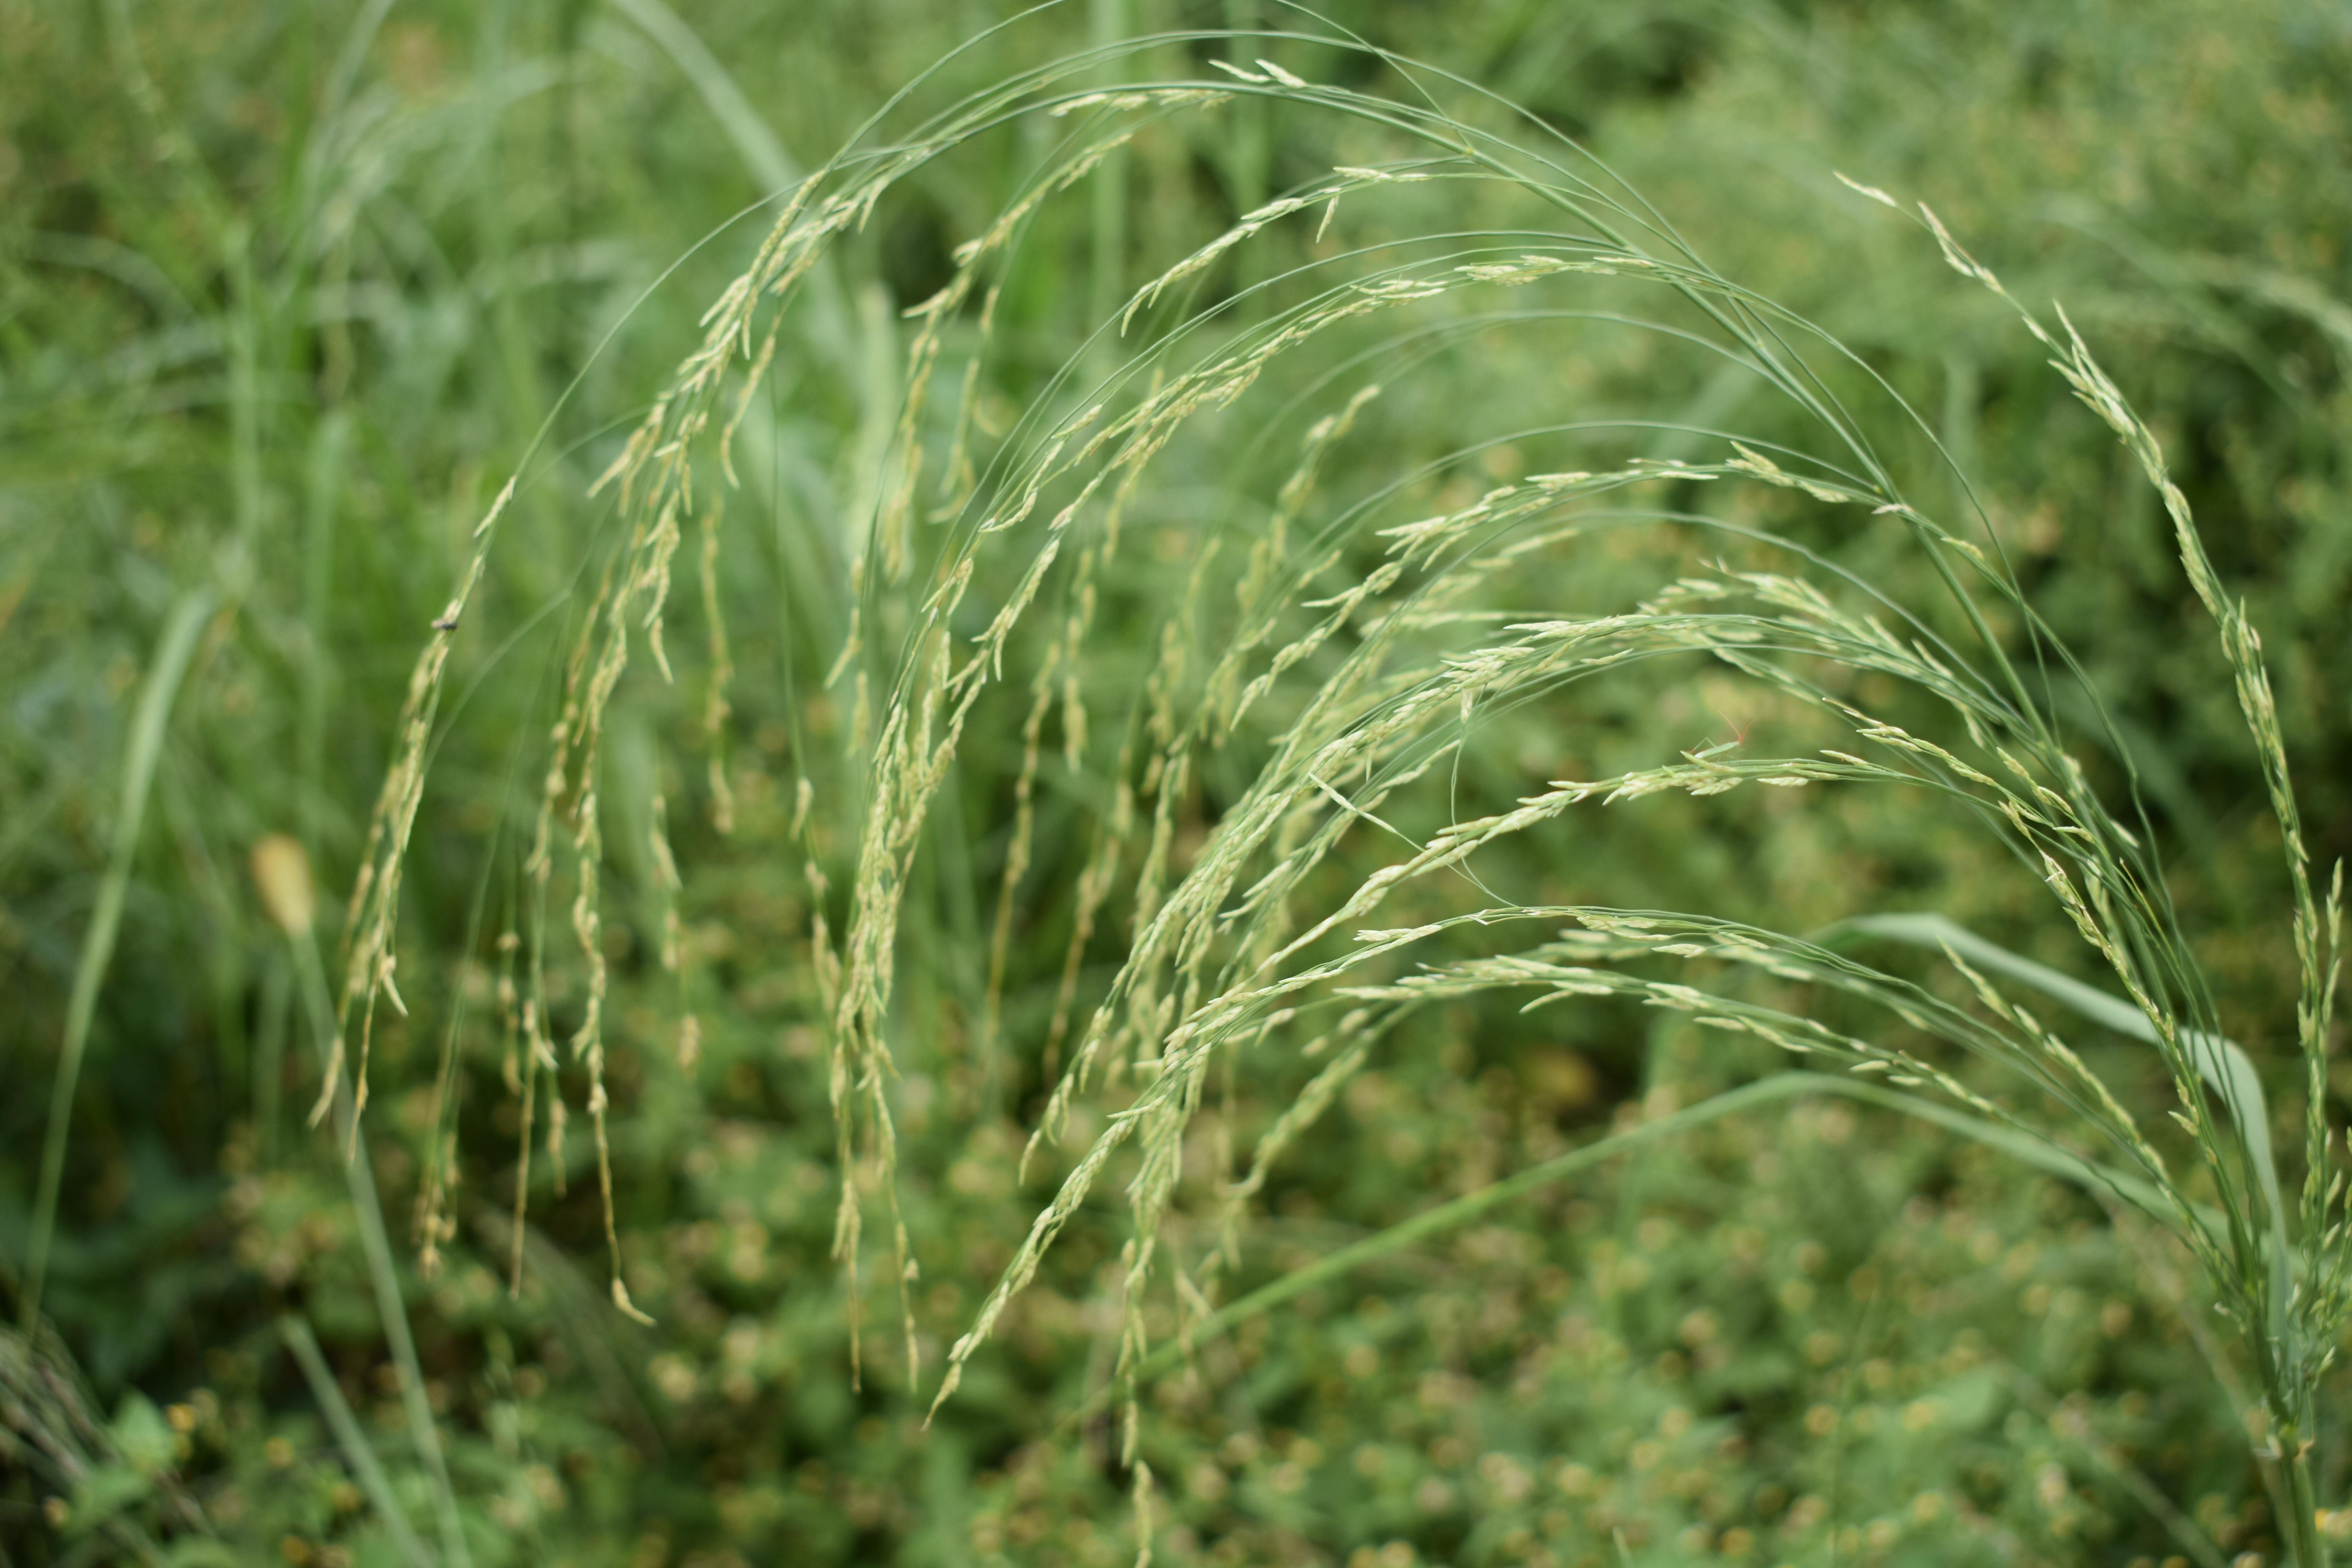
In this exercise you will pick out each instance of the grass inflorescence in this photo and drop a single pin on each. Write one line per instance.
(1379, 639)
(1100, 729)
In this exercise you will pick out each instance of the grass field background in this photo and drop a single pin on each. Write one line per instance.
(289, 291)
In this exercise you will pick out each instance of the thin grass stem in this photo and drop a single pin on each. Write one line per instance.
(357, 1453)
(383, 1275)
(173, 652)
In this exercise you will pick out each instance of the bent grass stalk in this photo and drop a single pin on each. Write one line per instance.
(1375, 637)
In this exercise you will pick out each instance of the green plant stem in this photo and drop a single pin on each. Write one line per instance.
(1765, 1091)
(173, 653)
(382, 1272)
(1246, 154)
(329, 450)
(1107, 25)
(350, 1438)
(269, 1061)
(2301, 1526)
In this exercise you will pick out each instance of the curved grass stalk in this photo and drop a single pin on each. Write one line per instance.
(1380, 646)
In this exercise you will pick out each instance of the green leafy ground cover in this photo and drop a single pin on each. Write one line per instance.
(290, 291)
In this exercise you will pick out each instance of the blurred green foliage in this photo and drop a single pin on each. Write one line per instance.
(287, 290)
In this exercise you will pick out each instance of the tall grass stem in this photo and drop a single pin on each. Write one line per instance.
(349, 1438)
(382, 1273)
(173, 653)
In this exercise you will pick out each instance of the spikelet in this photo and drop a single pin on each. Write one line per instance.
(374, 916)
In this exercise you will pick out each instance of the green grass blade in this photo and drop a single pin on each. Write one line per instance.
(755, 142)
(2044, 1157)
(1934, 933)
(2225, 1068)
(1108, 22)
(350, 1439)
(177, 646)
(770, 164)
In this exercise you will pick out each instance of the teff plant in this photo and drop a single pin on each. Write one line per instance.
(1329, 661)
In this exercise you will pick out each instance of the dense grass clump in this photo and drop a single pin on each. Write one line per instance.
(1255, 821)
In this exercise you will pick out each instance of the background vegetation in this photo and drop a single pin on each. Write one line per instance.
(288, 291)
